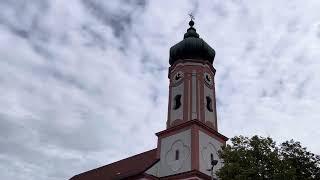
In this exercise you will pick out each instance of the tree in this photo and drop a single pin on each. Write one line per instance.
(260, 158)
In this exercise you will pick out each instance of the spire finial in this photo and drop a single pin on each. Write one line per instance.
(191, 32)
(191, 23)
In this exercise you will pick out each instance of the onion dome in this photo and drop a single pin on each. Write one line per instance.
(191, 47)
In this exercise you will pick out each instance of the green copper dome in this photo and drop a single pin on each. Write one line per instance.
(191, 47)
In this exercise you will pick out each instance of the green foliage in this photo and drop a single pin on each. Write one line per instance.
(260, 158)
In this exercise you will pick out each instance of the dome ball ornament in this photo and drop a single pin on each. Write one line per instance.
(191, 23)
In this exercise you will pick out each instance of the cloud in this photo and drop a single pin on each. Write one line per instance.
(84, 83)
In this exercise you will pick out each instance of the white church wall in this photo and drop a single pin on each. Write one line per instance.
(154, 170)
(208, 146)
(178, 142)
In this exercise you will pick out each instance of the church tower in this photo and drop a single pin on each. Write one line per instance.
(190, 143)
(188, 147)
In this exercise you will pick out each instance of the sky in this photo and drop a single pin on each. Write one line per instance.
(84, 82)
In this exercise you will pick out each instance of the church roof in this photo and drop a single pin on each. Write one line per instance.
(125, 168)
(191, 47)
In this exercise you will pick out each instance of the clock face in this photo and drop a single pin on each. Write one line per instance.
(178, 76)
(208, 78)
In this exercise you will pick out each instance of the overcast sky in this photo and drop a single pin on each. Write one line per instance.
(84, 83)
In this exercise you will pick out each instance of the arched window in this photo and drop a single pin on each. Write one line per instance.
(177, 155)
(177, 102)
(209, 104)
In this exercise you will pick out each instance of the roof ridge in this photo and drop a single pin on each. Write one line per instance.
(129, 157)
(117, 162)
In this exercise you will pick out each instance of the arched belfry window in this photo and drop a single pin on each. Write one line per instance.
(177, 102)
(209, 103)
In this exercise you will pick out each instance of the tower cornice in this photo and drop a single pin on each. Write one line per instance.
(185, 125)
(188, 61)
